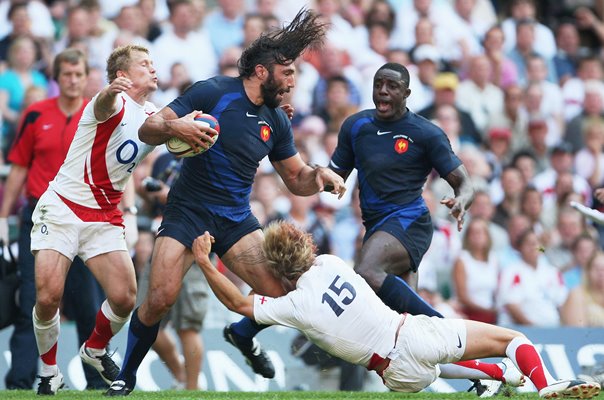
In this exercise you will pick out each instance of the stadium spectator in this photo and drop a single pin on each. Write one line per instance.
(503, 70)
(531, 291)
(526, 47)
(513, 186)
(483, 208)
(585, 305)
(427, 59)
(531, 205)
(20, 75)
(569, 51)
(584, 248)
(522, 10)
(478, 96)
(498, 151)
(574, 89)
(537, 132)
(561, 160)
(552, 103)
(445, 87)
(592, 112)
(182, 44)
(475, 274)
(224, 24)
(589, 160)
(512, 117)
(570, 226)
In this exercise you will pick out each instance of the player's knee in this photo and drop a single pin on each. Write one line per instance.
(123, 302)
(160, 303)
(373, 275)
(48, 299)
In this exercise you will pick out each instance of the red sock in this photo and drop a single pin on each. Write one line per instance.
(492, 370)
(530, 364)
(102, 334)
(50, 357)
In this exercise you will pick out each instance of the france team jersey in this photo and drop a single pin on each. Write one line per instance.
(223, 175)
(393, 158)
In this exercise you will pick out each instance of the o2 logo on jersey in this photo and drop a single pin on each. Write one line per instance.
(126, 154)
(337, 308)
(401, 146)
(44, 230)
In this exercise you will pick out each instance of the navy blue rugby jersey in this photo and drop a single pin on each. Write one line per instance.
(224, 174)
(393, 159)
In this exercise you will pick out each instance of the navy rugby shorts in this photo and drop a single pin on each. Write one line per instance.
(183, 223)
(414, 232)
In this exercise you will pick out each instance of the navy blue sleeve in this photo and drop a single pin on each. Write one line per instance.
(284, 146)
(201, 96)
(343, 156)
(440, 152)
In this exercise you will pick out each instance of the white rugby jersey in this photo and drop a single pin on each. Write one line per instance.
(337, 310)
(103, 155)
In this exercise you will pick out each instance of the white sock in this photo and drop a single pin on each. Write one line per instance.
(47, 335)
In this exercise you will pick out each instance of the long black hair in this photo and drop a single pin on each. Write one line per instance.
(285, 45)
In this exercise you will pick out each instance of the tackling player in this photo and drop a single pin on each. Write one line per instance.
(339, 312)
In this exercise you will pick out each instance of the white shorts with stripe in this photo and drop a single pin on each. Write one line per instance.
(423, 343)
(56, 227)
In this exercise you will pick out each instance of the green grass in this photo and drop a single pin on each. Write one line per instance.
(200, 395)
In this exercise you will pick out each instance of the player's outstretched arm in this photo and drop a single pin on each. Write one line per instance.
(464, 194)
(105, 106)
(161, 126)
(223, 288)
(303, 180)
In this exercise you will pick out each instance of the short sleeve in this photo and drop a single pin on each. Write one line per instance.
(343, 156)
(275, 311)
(284, 147)
(440, 153)
(22, 151)
(201, 96)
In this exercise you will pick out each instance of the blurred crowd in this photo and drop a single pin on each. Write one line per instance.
(516, 85)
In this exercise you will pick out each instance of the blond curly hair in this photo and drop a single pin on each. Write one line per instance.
(289, 251)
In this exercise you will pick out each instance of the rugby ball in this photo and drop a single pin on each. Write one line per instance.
(182, 149)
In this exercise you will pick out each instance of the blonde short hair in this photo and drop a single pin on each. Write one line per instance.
(289, 251)
(120, 59)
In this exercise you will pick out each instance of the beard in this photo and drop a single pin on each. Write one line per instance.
(269, 90)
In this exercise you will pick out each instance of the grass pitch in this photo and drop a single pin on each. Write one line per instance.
(201, 395)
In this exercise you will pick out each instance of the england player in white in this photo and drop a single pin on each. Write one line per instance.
(78, 214)
(338, 311)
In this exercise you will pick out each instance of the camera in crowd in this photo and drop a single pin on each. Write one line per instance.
(152, 185)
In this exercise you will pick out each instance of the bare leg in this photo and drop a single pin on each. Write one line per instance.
(166, 349)
(192, 348)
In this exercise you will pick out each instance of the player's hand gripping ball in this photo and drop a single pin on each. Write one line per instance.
(182, 149)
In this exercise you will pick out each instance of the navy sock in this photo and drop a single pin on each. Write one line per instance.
(398, 295)
(140, 339)
(247, 329)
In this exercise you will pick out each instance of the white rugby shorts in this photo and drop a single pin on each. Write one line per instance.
(57, 228)
(423, 343)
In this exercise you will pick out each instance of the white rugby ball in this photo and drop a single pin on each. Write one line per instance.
(182, 149)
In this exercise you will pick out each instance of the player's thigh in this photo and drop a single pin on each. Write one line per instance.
(486, 340)
(382, 254)
(115, 272)
(51, 268)
(169, 264)
(55, 227)
(246, 259)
